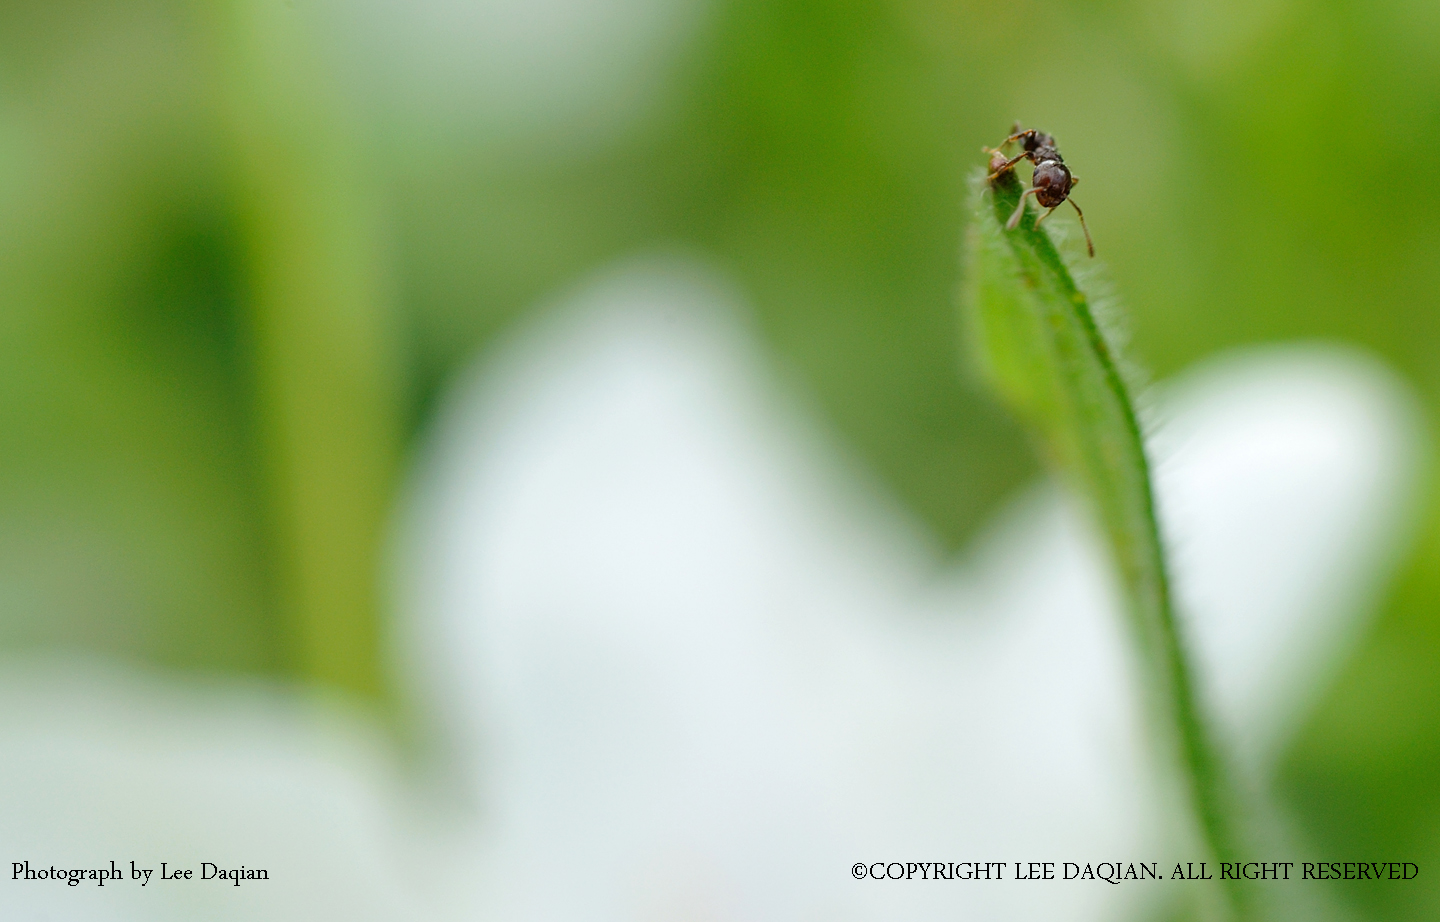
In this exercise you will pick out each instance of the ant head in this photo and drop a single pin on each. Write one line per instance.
(1052, 182)
(1036, 139)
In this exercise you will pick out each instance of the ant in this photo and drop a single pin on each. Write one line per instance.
(1050, 183)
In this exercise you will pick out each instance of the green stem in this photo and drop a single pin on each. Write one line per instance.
(1046, 354)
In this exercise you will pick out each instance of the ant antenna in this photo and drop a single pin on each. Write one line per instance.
(1088, 242)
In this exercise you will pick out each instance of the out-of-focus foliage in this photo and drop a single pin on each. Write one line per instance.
(177, 468)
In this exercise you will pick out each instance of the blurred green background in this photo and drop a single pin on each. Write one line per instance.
(244, 245)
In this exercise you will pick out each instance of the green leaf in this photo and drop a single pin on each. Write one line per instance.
(1041, 349)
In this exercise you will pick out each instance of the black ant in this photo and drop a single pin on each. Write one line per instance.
(1050, 183)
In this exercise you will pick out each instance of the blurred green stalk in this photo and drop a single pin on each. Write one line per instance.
(327, 394)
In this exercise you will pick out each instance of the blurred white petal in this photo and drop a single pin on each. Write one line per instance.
(708, 672)
(1283, 486)
(694, 668)
(103, 766)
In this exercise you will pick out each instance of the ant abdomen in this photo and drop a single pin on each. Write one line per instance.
(1051, 181)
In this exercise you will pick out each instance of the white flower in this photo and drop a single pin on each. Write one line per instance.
(684, 663)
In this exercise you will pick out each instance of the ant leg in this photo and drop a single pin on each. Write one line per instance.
(1046, 215)
(1020, 210)
(1019, 133)
(1088, 242)
(1009, 164)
